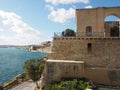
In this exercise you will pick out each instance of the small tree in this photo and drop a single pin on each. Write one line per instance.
(34, 69)
(68, 32)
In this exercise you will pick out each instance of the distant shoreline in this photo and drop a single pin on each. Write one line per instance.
(13, 46)
(43, 50)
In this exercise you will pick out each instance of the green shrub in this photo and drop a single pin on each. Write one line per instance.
(69, 32)
(34, 69)
(68, 85)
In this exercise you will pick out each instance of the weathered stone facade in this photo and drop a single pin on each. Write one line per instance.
(99, 51)
(95, 19)
(57, 69)
(104, 51)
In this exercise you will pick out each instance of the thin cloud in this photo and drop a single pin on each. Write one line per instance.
(56, 2)
(16, 31)
(89, 6)
(1, 30)
(51, 8)
(61, 15)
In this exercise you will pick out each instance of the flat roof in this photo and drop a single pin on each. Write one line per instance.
(65, 61)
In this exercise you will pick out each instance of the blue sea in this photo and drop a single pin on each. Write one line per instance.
(12, 60)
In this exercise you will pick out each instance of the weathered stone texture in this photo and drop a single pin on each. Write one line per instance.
(100, 53)
(95, 18)
(105, 52)
(56, 70)
(98, 64)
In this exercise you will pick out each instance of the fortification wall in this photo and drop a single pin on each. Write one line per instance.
(104, 51)
(100, 53)
(55, 70)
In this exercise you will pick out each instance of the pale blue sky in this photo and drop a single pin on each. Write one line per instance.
(33, 21)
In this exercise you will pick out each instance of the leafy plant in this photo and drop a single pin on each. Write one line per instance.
(68, 32)
(68, 85)
(81, 85)
(34, 69)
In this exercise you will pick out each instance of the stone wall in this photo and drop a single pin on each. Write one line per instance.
(55, 70)
(101, 63)
(104, 51)
(103, 76)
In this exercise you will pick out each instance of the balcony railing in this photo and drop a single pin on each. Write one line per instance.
(92, 35)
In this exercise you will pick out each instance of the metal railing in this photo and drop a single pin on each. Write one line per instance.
(58, 34)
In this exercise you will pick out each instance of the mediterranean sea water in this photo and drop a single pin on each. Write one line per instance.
(12, 60)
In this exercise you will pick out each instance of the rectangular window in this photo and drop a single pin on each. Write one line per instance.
(89, 47)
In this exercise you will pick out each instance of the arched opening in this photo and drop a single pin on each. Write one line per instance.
(112, 26)
(88, 31)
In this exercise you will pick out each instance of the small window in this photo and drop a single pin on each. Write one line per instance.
(89, 31)
(89, 47)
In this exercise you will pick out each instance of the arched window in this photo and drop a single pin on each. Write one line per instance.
(88, 31)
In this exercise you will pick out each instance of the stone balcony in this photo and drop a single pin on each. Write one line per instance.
(84, 35)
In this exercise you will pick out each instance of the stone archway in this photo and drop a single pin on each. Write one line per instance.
(94, 18)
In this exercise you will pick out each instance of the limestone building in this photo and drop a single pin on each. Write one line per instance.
(94, 52)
